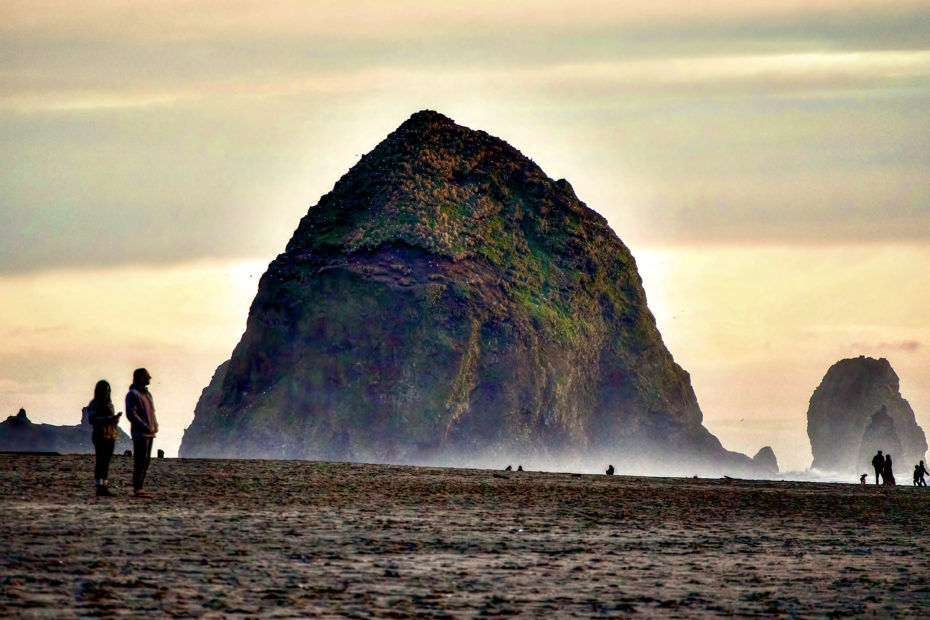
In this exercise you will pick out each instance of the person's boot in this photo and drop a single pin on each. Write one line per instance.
(103, 491)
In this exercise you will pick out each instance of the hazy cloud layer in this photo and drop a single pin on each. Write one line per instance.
(163, 131)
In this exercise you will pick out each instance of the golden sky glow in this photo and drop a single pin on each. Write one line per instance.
(768, 163)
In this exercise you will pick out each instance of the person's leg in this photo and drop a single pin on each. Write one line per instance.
(145, 453)
(98, 463)
(139, 450)
(105, 456)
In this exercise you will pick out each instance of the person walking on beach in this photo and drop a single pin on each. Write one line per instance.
(140, 411)
(887, 474)
(878, 462)
(101, 416)
(920, 470)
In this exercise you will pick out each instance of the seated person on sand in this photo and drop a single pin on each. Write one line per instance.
(610, 470)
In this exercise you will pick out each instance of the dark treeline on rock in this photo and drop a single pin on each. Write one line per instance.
(448, 303)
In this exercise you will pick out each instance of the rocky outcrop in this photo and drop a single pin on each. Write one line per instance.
(448, 303)
(19, 434)
(858, 409)
(765, 458)
(880, 434)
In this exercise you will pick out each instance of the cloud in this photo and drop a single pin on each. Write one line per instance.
(153, 132)
(756, 74)
(902, 346)
(180, 19)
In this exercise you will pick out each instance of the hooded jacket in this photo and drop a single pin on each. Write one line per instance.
(140, 411)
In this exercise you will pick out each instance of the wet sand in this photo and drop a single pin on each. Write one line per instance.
(290, 539)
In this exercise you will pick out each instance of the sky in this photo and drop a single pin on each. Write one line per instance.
(767, 163)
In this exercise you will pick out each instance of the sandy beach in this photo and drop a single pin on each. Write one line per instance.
(290, 539)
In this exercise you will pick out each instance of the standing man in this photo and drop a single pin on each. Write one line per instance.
(878, 462)
(140, 411)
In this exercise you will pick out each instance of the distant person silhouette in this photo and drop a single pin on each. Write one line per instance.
(508, 468)
(610, 470)
(887, 473)
(101, 415)
(140, 411)
(878, 462)
(920, 470)
(519, 467)
(862, 478)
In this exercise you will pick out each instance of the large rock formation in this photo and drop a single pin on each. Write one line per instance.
(19, 434)
(858, 409)
(448, 303)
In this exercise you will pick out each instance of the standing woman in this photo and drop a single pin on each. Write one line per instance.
(887, 473)
(101, 415)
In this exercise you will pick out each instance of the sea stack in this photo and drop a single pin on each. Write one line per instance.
(765, 458)
(857, 410)
(448, 303)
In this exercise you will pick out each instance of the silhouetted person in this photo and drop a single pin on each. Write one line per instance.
(508, 468)
(878, 462)
(920, 470)
(161, 454)
(140, 411)
(887, 473)
(610, 470)
(862, 478)
(519, 467)
(101, 415)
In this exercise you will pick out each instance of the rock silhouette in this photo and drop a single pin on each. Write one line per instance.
(765, 457)
(448, 303)
(880, 432)
(19, 434)
(842, 411)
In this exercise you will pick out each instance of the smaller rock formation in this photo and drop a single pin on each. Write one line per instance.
(19, 434)
(858, 409)
(765, 458)
(880, 434)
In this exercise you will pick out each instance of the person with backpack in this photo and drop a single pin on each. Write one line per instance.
(101, 415)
